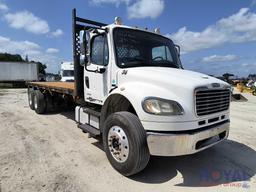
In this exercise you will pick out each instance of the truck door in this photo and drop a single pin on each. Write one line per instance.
(95, 83)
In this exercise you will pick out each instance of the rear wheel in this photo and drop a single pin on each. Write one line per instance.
(125, 143)
(31, 98)
(39, 102)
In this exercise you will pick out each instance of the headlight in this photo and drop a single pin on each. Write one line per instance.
(159, 106)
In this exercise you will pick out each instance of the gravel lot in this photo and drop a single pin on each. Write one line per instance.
(49, 153)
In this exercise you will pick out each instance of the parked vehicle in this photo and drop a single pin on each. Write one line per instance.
(52, 77)
(67, 72)
(18, 71)
(250, 83)
(244, 89)
(128, 92)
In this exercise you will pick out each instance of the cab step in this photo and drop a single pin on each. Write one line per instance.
(90, 129)
(92, 112)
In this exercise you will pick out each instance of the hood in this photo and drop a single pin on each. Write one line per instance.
(167, 83)
(178, 85)
(168, 76)
(179, 82)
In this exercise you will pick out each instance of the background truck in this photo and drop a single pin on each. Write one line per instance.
(67, 72)
(18, 72)
(128, 92)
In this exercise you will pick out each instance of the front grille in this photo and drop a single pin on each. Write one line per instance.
(212, 101)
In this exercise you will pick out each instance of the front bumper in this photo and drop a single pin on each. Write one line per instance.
(183, 143)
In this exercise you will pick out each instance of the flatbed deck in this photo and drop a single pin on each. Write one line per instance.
(60, 87)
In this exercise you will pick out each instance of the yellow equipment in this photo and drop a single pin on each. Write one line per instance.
(243, 89)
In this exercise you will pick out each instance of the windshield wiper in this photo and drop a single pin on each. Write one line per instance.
(164, 63)
(134, 61)
(137, 59)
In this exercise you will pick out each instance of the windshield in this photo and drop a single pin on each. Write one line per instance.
(68, 73)
(138, 49)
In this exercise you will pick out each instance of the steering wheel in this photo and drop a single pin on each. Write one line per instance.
(158, 57)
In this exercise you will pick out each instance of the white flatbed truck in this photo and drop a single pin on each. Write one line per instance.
(67, 72)
(128, 92)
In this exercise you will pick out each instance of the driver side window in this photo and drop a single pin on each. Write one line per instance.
(162, 52)
(99, 50)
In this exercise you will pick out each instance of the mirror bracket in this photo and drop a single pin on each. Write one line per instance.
(177, 48)
(101, 70)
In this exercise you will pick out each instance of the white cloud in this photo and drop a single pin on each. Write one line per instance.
(116, 2)
(57, 33)
(3, 7)
(7, 45)
(243, 21)
(240, 27)
(33, 50)
(52, 50)
(248, 64)
(27, 21)
(193, 41)
(145, 8)
(220, 58)
(137, 9)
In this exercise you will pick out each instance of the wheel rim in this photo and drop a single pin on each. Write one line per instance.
(35, 102)
(118, 144)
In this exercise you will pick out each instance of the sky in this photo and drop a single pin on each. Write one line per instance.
(215, 36)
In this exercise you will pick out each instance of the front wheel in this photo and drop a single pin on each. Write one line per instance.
(125, 143)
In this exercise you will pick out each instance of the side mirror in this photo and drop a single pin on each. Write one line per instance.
(177, 49)
(83, 60)
(84, 48)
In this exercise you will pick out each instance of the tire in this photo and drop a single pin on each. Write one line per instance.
(254, 93)
(132, 158)
(31, 94)
(39, 102)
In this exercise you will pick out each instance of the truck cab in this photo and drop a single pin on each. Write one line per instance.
(133, 93)
(136, 79)
(67, 72)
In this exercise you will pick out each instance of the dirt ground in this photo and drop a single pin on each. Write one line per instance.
(49, 153)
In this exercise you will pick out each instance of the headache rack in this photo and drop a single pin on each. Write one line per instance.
(78, 25)
(210, 101)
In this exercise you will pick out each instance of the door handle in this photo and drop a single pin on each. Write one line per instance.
(87, 82)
